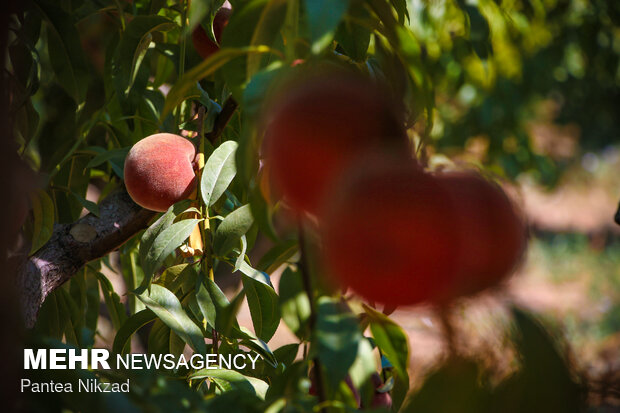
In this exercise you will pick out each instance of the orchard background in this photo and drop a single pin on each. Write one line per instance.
(525, 90)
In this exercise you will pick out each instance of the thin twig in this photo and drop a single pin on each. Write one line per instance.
(228, 110)
(307, 281)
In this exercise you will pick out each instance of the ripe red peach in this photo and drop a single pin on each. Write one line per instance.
(390, 233)
(318, 123)
(159, 171)
(492, 229)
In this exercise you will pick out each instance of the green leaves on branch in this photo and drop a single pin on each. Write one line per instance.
(168, 309)
(231, 379)
(65, 51)
(185, 87)
(156, 244)
(337, 337)
(294, 303)
(133, 45)
(129, 327)
(231, 229)
(393, 342)
(165, 243)
(323, 19)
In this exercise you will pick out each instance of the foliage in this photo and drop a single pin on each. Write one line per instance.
(89, 78)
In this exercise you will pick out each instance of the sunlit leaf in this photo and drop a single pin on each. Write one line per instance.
(263, 303)
(218, 173)
(235, 225)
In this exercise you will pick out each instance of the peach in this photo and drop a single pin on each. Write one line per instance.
(390, 234)
(493, 231)
(159, 171)
(201, 41)
(318, 123)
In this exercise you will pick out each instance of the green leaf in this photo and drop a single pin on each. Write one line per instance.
(71, 177)
(544, 381)
(118, 154)
(364, 365)
(235, 225)
(479, 31)
(225, 311)
(259, 346)
(65, 51)
(241, 257)
(393, 342)
(390, 338)
(43, 211)
(187, 82)
(132, 46)
(258, 86)
(456, 387)
(165, 244)
(337, 338)
(227, 317)
(129, 327)
(205, 302)
(112, 301)
(90, 206)
(323, 19)
(253, 273)
(262, 211)
(149, 236)
(294, 303)
(132, 273)
(173, 278)
(218, 173)
(353, 37)
(266, 29)
(238, 380)
(263, 303)
(401, 9)
(169, 310)
(278, 255)
(198, 10)
(256, 23)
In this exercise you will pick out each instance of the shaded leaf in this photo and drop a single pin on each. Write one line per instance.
(337, 336)
(168, 309)
(133, 43)
(129, 327)
(65, 51)
(90, 206)
(294, 303)
(43, 211)
(165, 244)
(323, 19)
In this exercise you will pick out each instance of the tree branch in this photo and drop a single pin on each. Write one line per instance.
(89, 238)
(73, 245)
(228, 110)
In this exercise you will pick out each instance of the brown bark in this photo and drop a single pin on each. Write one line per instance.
(73, 245)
